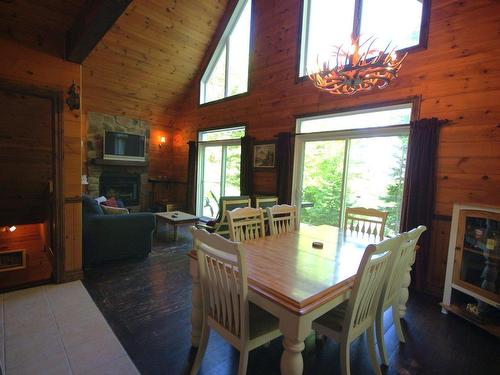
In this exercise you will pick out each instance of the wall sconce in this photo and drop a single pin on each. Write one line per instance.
(8, 229)
(73, 100)
(162, 142)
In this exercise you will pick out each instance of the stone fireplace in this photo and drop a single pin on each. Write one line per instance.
(127, 181)
(125, 187)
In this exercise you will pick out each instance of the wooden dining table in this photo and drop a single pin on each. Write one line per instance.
(296, 282)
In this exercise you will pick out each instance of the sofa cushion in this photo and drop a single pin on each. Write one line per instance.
(108, 210)
(90, 206)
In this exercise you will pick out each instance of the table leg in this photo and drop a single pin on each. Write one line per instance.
(292, 362)
(295, 330)
(196, 304)
(404, 294)
(175, 232)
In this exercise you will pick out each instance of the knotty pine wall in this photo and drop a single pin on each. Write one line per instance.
(160, 125)
(457, 78)
(29, 67)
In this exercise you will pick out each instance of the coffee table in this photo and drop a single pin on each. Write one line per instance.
(175, 219)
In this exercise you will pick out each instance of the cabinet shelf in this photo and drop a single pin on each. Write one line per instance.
(481, 253)
(491, 327)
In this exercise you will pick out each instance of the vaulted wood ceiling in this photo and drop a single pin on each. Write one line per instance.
(145, 63)
(39, 24)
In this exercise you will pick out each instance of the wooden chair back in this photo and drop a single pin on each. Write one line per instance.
(402, 259)
(227, 204)
(223, 278)
(246, 223)
(365, 222)
(282, 219)
(264, 202)
(370, 278)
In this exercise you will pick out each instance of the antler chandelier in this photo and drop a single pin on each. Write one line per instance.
(355, 71)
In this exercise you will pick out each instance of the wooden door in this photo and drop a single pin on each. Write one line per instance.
(30, 167)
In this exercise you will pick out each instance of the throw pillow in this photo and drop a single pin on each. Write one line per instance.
(101, 199)
(111, 202)
(108, 210)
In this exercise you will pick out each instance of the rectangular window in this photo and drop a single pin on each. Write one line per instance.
(219, 158)
(227, 72)
(399, 22)
(351, 165)
(363, 119)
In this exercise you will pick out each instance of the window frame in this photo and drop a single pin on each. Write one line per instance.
(222, 44)
(201, 156)
(347, 135)
(304, 32)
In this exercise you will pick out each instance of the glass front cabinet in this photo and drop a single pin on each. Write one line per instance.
(472, 285)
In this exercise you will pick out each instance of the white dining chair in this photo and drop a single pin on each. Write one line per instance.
(389, 297)
(246, 223)
(352, 318)
(226, 309)
(365, 222)
(282, 219)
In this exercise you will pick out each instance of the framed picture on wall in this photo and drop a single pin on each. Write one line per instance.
(264, 155)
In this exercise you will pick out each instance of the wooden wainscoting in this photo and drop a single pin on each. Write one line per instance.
(436, 266)
(72, 239)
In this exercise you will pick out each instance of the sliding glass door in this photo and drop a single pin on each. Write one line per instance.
(219, 160)
(358, 167)
(322, 182)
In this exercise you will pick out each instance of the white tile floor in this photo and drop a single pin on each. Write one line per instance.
(57, 329)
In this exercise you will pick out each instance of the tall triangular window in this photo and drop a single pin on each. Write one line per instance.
(330, 24)
(227, 72)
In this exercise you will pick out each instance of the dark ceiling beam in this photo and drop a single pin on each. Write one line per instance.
(95, 20)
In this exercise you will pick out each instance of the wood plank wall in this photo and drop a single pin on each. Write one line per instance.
(30, 67)
(457, 78)
(160, 125)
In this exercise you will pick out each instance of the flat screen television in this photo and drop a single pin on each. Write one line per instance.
(124, 146)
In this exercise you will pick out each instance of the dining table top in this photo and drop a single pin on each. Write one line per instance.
(290, 271)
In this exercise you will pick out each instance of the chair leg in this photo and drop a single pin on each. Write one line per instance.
(205, 332)
(379, 328)
(345, 365)
(242, 368)
(397, 323)
(372, 351)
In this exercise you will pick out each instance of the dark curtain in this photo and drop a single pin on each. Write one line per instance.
(191, 179)
(420, 181)
(246, 171)
(284, 164)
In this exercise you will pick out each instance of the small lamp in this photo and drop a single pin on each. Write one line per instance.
(162, 142)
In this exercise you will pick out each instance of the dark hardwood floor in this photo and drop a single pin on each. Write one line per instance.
(147, 304)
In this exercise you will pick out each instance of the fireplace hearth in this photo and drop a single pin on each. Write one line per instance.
(124, 187)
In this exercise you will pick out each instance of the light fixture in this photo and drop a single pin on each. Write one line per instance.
(356, 71)
(8, 229)
(162, 142)
(73, 99)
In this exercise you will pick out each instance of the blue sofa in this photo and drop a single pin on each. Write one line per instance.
(110, 237)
